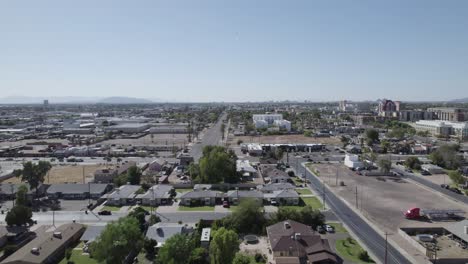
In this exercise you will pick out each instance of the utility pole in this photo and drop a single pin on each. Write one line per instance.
(336, 182)
(323, 191)
(83, 175)
(89, 193)
(356, 197)
(386, 245)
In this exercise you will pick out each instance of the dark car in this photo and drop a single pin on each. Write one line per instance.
(321, 230)
(105, 212)
(445, 186)
(456, 190)
(226, 204)
(425, 173)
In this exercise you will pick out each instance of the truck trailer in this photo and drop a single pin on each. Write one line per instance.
(418, 213)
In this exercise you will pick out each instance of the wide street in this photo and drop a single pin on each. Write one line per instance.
(373, 241)
(212, 136)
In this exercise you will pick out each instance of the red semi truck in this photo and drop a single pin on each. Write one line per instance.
(418, 213)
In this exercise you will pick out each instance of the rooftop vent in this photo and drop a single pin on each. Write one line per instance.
(58, 235)
(35, 250)
(287, 225)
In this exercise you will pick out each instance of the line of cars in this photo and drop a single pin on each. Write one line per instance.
(325, 228)
(453, 189)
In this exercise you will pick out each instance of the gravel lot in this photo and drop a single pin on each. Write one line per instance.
(383, 199)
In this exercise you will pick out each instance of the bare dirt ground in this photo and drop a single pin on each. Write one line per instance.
(438, 178)
(26, 141)
(158, 139)
(383, 199)
(67, 173)
(278, 139)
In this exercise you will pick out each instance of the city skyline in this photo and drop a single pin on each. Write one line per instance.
(236, 52)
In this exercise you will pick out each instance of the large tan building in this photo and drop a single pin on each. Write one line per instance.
(458, 130)
(450, 113)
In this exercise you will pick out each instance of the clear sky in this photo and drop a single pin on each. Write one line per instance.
(235, 50)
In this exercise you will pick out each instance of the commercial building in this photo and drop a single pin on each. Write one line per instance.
(167, 128)
(415, 115)
(458, 130)
(450, 113)
(271, 120)
(388, 107)
(128, 128)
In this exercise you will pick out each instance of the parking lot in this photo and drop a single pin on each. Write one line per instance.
(382, 199)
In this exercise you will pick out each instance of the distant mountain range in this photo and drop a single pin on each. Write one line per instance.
(461, 100)
(75, 100)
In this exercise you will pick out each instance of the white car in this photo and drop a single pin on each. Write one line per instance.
(329, 228)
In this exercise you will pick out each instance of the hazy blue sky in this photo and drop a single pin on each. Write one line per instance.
(235, 50)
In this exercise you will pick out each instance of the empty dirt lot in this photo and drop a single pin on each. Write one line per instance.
(67, 173)
(382, 199)
(158, 139)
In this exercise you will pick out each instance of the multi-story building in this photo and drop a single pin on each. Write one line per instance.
(389, 106)
(458, 130)
(415, 115)
(450, 113)
(270, 120)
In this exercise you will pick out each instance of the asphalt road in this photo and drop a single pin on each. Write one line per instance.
(431, 185)
(374, 242)
(212, 136)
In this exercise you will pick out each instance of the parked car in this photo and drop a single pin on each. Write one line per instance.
(329, 228)
(425, 173)
(226, 204)
(409, 170)
(445, 186)
(105, 212)
(321, 230)
(455, 190)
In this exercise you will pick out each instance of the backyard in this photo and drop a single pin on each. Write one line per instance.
(350, 249)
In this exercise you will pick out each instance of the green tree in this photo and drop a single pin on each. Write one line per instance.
(139, 214)
(372, 136)
(385, 165)
(176, 249)
(344, 140)
(149, 246)
(198, 256)
(447, 156)
(117, 240)
(306, 215)
(385, 145)
(456, 177)
(224, 245)
(34, 174)
(19, 215)
(134, 175)
(241, 259)
(218, 164)
(21, 195)
(413, 163)
(248, 217)
(307, 133)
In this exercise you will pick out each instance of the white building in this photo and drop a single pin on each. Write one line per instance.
(352, 161)
(269, 120)
(439, 128)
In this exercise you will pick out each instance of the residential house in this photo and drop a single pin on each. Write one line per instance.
(108, 175)
(8, 190)
(293, 242)
(77, 191)
(268, 188)
(283, 197)
(156, 167)
(124, 195)
(235, 196)
(161, 232)
(49, 245)
(246, 169)
(156, 195)
(91, 233)
(205, 197)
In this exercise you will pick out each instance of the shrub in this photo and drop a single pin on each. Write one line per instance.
(363, 255)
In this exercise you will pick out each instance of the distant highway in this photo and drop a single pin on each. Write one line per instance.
(212, 136)
(373, 240)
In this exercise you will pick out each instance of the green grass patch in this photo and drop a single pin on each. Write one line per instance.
(111, 208)
(183, 190)
(303, 191)
(312, 169)
(297, 181)
(312, 201)
(350, 249)
(78, 258)
(196, 208)
(339, 228)
(147, 207)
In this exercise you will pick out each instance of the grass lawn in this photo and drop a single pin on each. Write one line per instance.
(311, 167)
(147, 207)
(111, 208)
(339, 228)
(312, 201)
(196, 208)
(297, 181)
(78, 258)
(303, 191)
(350, 251)
(183, 190)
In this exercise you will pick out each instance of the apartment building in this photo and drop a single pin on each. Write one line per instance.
(450, 113)
(271, 120)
